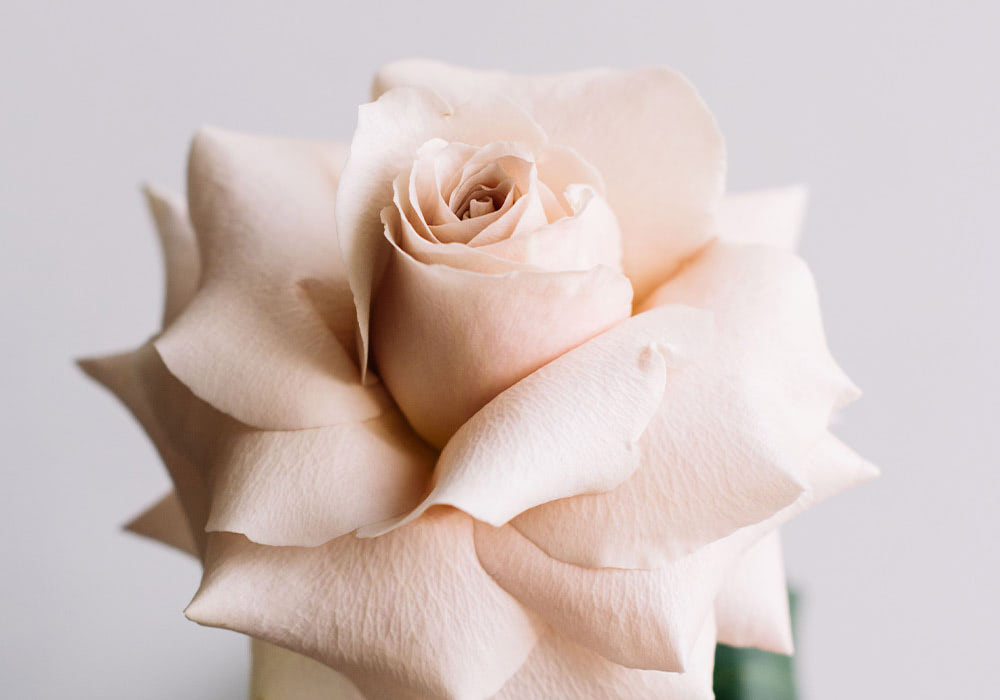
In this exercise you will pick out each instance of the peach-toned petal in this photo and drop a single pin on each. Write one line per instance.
(559, 167)
(133, 377)
(648, 618)
(414, 238)
(182, 266)
(299, 487)
(752, 607)
(252, 342)
(389, 132)
(638, 618)
(568, 428)
(766, 217)
(280, 674)
(558, 668)
(724, 450)
(587, 238)
(447, 340)
(411, 612)
(166, 522)
(306, 487)
(646, 131)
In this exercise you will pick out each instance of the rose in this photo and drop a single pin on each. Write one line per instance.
(509, 247)
(597, 492)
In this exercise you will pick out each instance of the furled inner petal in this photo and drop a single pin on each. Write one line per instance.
(448, 340)
(575, 231)
(389, 133)
(647, 131)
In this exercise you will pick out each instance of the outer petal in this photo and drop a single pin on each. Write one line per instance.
(448, 340)
(558, 668)
(408, 613)
(765, 217)
(646, 131)
(127, 375)
(180, 251)
(570, 427)
(306, 487)
(166, 522)
(252, 343)
(647, 618)
(280, 674)
(385, 144)
(725, 449)
(752, 607)
(290, 488)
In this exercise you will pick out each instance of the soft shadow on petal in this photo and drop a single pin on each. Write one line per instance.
(389, 133)
(646, 131)
(724, 450)
(166, 522)
(299, 487)
(447, 340)
(765, 217)
(636, 618)
(648, 618)
(752, 607)
(558, 668)
(568, 428)
(182, 266)
(120, 374)
(306, 487)
(252, 342)
(412, 612)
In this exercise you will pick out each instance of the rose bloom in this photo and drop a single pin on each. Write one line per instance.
(505, 399)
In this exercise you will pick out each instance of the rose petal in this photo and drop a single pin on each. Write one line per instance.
(588, 238)
(290, 488)
(570, 427)
(166, 522)
(180, 251)
(561, 167)
(648, 618)
(558, 668)
(389, 132)
(752, 607)
(646, 131)
(280, 674)
(766, 217)
(263, 211)
(411, 612)
(447, 340)
(306, 487)
(636, 618)
(126, 376)
(725, 448)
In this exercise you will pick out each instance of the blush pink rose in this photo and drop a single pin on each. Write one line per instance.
(504, 400)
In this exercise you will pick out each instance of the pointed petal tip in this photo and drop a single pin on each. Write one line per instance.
(87, 365)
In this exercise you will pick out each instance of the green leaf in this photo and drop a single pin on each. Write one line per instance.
(752, 674)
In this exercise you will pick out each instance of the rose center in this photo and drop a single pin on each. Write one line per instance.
(484, 198)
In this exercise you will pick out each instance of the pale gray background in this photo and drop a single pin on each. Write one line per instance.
(888, 110)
